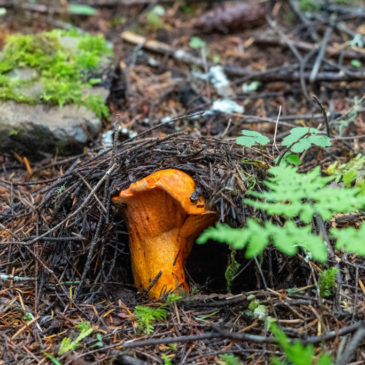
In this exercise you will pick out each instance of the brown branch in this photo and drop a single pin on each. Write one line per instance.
(284, 75)
(331, 51)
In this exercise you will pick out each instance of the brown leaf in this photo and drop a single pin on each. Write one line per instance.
(231, 17)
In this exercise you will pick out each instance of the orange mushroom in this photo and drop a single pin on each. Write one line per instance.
(163, 223)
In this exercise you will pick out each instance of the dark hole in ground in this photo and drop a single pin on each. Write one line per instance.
(206, 266)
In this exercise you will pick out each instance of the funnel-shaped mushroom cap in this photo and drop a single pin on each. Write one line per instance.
(163, 223)
(176, 183)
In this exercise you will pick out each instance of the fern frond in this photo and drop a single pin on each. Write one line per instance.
(350, 239)
(255, 238)
(147, 315)
(293, 194)
(327, 281)
(296, 352)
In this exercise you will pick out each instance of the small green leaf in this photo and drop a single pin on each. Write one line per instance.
(154, 17)
(52, 358)
(28, 316)
(304, 138)
(309, 5)
(350, 239)
(99, 337)
(67, 345)
(356, 63)
(295, 351)
(325, 359)
(216, 58)
(80, 9)
(196, 43)
(252, 86)
(293, 159)
(166, 359)
(229, 359)
(349, 171)
(249, 138)
(231, 271)
(85, 330)
(349, 177)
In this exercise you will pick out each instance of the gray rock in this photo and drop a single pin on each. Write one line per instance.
(35, 129)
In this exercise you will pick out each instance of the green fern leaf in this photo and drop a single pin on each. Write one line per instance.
(235, 237)
(255, 238)
(147, 315)
(249, 138)
(325, 359)
(289, 238)
(295, 351)
(293, 194)
(350, 239)
(327, 281)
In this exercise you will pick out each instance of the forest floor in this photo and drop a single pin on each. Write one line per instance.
(65, 267)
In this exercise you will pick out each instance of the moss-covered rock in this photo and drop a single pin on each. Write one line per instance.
(51, 82)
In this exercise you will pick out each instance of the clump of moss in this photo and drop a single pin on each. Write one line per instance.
(65, 72)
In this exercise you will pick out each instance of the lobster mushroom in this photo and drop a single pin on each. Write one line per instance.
(163, 221)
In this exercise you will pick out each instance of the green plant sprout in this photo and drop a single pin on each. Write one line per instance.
(146, 316)
(64, 73)
(250, 87)
(52, 358)
(298, 140)
(197, 43)
(231, 271)
(228, 359)
(350, 172)
(293, 195)
(67, 344)
(80, 9)
(154, 19)
(166, 359)
(327, 281)
(250, 138)
(356, 63)
(257, 310)
(309, 5)
(301, 138)
(295, 352)
(203, 317)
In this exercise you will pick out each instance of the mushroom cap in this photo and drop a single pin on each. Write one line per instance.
(175, 183)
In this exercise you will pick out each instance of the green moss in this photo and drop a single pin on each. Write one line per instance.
(97, 105)
(63, 71)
